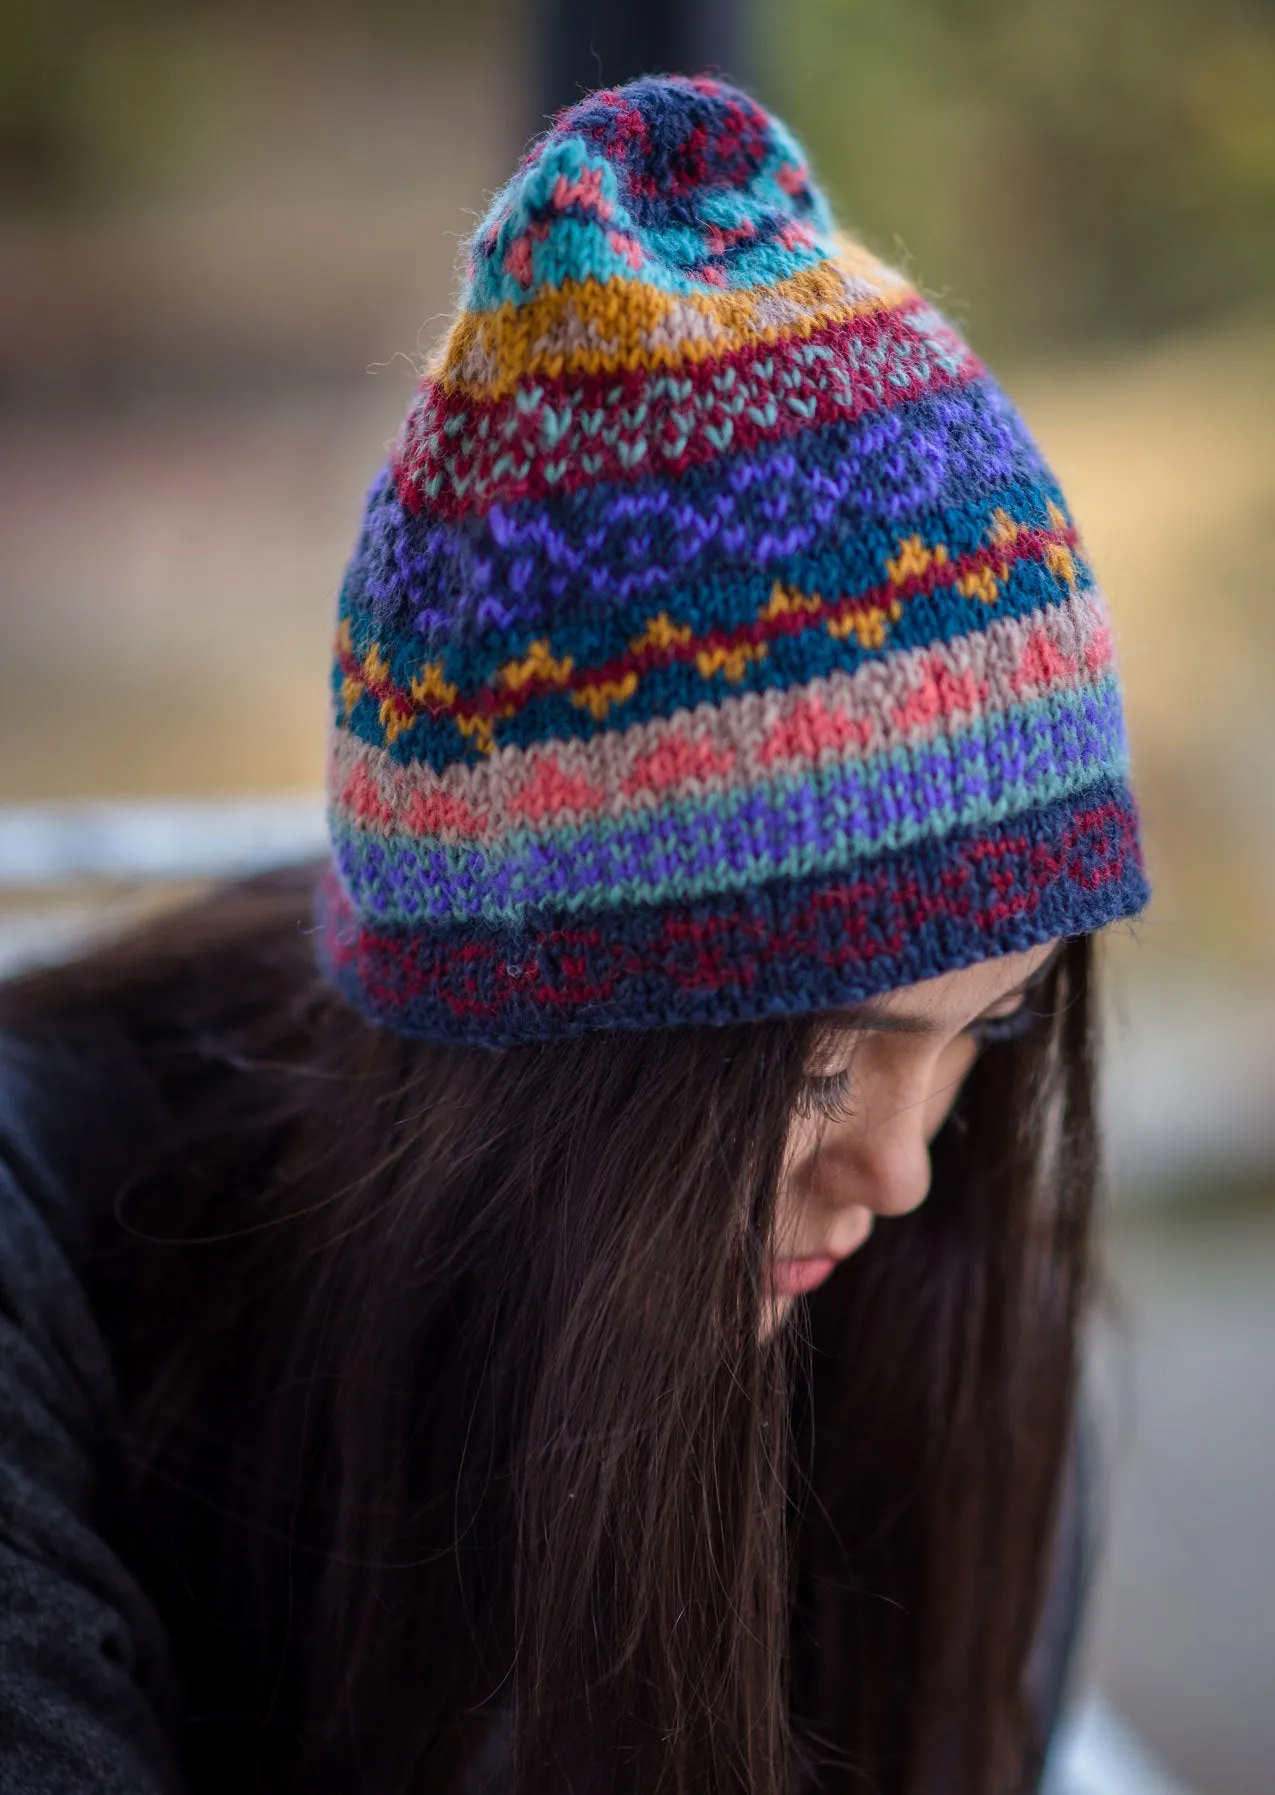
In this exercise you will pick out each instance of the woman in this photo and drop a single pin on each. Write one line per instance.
(493, 1335)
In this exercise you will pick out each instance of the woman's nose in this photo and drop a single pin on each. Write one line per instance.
(882, 1166)
(896, 1170)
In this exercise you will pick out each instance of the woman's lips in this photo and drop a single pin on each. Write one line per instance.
(794, 1277)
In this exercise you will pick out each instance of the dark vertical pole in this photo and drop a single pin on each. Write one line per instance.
(582, 44)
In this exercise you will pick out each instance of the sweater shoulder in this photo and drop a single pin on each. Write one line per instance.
(86, 1692)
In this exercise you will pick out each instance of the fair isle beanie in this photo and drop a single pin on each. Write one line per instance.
(717, 644)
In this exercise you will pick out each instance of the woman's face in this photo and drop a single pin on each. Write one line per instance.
(878, 1090)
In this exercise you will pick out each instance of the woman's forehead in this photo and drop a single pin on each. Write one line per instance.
(925, 1007)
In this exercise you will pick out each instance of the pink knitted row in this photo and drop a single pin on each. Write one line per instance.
(914, 696)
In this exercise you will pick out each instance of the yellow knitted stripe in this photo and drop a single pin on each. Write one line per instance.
(591, 326)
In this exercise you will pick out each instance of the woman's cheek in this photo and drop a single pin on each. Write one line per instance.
(954, 1067)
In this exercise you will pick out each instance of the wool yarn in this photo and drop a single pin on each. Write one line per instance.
(717, 643)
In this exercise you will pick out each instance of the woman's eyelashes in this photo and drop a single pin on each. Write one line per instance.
(827, 1095)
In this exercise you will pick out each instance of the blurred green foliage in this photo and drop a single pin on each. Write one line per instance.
(1088, 170)
(106, 101)
(1055, 172)
(99, 102)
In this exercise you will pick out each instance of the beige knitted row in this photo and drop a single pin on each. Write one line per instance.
(592, 326)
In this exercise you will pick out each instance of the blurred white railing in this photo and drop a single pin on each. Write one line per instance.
(169, 838)
(1096, 1754)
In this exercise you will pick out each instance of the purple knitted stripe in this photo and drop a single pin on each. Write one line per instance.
(612, 545)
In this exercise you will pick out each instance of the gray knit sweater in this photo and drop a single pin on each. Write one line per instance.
(87, 1701)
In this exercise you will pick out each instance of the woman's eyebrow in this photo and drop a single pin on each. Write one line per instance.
(885, 1022)
(870, 1014)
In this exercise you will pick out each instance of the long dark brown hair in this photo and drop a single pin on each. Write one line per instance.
(447, 1425)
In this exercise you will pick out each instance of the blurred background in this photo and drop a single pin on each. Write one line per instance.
(228, 230)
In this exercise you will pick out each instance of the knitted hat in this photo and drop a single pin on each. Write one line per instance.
(717, 644)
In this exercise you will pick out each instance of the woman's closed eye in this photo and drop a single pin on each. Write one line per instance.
(1020, 1021)
(830, 1094)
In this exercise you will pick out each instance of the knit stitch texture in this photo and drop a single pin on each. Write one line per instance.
(717, 644)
